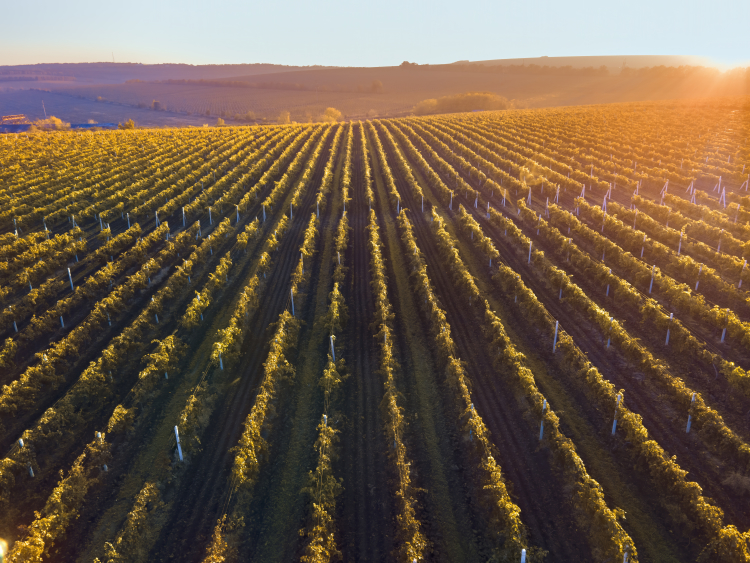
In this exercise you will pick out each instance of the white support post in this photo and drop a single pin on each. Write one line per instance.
(210, 220)
(128, 216)
(523, 556)
(718, 248)
(554, 342)
(692, 401)
(679, 247)
(617, 407)
(651, 285)
(476, 200)
(541, 426)
(183, 216)
(451, 204)
(70, 277)
(101, 225)
(264, 212)
(221, 362)
(177, 437)
(333, 352)
(530, 243)
(156, 215)
(61, 322)
(699, 277)
(739, 285)
(528, 199)
(422, 203)
(671, 317)
(291, 291)
(724, 330)
(609, 335)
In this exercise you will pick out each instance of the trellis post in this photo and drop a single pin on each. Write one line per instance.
(689, 421)
(177, 437)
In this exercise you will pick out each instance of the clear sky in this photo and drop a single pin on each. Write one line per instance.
(375, 33)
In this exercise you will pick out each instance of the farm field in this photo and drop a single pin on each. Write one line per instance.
(466, 337)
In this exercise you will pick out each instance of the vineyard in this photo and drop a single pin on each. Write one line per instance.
(416, 339)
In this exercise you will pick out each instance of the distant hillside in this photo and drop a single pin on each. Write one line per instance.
(114, 73)
(258, 93)
(613, 63)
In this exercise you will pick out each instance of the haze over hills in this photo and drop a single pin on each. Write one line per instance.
(613, 63)
(256, 93)
(114, 73)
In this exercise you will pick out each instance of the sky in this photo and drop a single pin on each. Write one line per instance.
(375, 33)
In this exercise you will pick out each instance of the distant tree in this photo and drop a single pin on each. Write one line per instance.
(284, 117)
(470, 101)
(219, 122)
(377, 86)
(331, 114)
(156, 105)
(52, 123)
(208, 112)
(129, 124)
